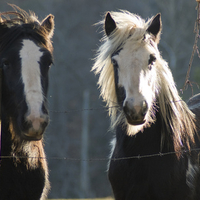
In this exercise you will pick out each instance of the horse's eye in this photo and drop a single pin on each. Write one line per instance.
(152, 59)
(114, 62)
(5, 63)
(45, 64)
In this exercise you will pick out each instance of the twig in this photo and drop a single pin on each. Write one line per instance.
(195, 47)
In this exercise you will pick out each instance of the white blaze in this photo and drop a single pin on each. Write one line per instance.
(30, 56)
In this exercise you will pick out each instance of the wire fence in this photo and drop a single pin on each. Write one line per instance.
(102, 108)
(138, 157)
(159, 154)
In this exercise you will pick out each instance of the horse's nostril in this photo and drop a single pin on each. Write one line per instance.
(125, 107)
(144, 108)
(45, 123)
(129, 110)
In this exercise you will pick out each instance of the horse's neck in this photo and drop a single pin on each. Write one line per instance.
(143, 143)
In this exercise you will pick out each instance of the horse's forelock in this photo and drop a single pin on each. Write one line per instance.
(20, 22)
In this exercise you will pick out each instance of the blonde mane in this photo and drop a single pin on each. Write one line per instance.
(177, 118)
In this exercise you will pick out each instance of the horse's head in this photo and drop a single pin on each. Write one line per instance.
(136, 83)
(25, 58)
(134, 62)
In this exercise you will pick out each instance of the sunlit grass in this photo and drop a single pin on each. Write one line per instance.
(107, 198)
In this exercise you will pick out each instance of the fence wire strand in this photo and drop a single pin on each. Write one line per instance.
(103, 108)
(160, 154)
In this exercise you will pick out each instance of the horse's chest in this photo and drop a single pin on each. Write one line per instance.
(19, 182)
(147, 178)
(126, 173)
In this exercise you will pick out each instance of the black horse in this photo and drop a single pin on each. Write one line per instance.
(153, 156)
(25, 57)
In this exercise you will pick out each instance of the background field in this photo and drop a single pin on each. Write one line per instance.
(75, 133)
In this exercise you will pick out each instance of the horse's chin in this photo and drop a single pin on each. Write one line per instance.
(28, 137)
(33, 135)
(136, 122)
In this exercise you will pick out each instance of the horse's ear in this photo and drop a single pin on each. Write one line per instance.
(48, 24)
(110, 24)
(155, 27)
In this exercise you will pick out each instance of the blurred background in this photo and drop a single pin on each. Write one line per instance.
(77, 141)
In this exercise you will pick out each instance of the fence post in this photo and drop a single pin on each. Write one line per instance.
(84, 174)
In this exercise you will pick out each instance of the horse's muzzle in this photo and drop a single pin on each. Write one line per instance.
(35, 127)
(135, 114)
